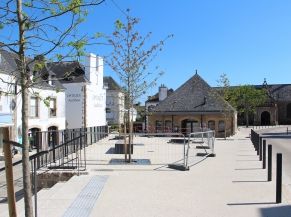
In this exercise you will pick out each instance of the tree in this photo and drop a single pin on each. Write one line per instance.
(31, 28)
(225, 92)
(130, 59)
(246, 98)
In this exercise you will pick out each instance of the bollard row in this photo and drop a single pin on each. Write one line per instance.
(266, 157)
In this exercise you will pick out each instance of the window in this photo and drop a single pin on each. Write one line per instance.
(159, 126)
(289, 110)
(108, 110)
(211, 125)
(151, 108)
(221, 126)
(34, 107)
(53, 107)
(168, 126)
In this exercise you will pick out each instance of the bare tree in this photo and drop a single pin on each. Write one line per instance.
(130, 59)
(32, 27)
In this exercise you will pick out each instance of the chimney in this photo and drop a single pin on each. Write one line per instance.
(94, 69)
(163, 92)
(90, 68)
(100, 68)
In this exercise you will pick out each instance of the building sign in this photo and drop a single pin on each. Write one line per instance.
(98, 100)
(74, 97)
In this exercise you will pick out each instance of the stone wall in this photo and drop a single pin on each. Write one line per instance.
(48, 180)
(177, 122)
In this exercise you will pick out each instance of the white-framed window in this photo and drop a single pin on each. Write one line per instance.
(34, 107)
(53, 107)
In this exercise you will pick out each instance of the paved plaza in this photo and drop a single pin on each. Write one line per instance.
(230, 184)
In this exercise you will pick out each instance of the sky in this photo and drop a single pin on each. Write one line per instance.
(248, 40)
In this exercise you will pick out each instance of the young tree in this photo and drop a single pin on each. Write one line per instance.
(130, 59)
(246, 98)
(225, 92)
(32, 27)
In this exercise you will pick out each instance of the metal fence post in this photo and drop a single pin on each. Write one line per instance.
(279, 178)
(269, 163)
(35, 186)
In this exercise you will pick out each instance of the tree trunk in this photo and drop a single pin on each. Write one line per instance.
(225, 124)
(247, 119)
(25, 151)
(24, 95)
(129, 132)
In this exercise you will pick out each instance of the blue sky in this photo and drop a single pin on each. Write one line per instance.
(249, 40)
(246, 39)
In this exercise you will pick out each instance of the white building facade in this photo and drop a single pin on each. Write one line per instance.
(85, 93)
(41, 116)
(114, 102)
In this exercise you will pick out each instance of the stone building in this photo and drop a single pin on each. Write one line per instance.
(194, 106)
(277, 108)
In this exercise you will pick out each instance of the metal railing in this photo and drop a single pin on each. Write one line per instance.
(203, 141)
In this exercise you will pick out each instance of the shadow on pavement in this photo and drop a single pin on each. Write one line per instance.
(249, 204)
(248, 169)
(277, 211)
(248, 181)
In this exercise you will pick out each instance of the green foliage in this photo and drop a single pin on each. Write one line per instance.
(224, 90)
(78, 46)
(59, 57)
(118, 25)
(38, 66)
(98, 35)
(246, 98)
(74, 5)
(46, 101)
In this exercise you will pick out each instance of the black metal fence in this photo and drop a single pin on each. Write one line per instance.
(66, 149)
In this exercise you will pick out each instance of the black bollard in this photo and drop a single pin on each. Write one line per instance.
(264, 154)
(261, 149)
(269, 163)
(279, 178)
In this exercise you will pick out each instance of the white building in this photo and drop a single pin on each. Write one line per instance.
(6, 113)
(42, 116)
(85, 93)
(114, 102)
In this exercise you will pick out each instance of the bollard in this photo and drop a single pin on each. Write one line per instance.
(279, 178)
(269, 163)
(287, 130)
(264, 154)
(261, 149)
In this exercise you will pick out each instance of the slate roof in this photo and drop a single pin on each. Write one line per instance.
(111, 83)
(155, 98)
(69, 71)
(8, 65)
(194, 96)
(278, 92)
